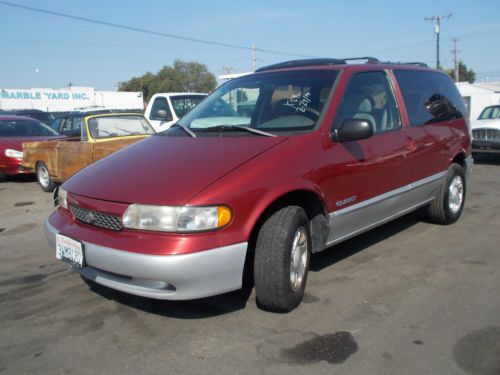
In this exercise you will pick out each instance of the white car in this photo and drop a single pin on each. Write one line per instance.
(165, 109)
(486, 131)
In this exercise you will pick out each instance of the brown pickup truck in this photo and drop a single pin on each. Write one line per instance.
(101, 134)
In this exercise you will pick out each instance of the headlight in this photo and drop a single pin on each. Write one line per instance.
(176, 218)
(62, 196)
(13, 153)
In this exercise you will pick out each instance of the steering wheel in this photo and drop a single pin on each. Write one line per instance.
(311, 113)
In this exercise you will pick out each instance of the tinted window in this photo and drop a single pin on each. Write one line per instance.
(430, 97)
(25, 128)
(369, 97)
(183, 104)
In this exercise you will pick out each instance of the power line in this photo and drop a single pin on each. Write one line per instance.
(150, 32)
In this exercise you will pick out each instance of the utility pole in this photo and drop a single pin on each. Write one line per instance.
(227, 69)
(437, 30)
(254, 57)
(455, 52)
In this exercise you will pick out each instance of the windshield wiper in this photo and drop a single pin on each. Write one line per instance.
(187, 130)
(221, 128)
(129, 132)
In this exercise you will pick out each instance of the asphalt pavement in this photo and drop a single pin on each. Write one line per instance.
(409, 297)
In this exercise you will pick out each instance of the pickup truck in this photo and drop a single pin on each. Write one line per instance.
(55, 161)
(166, 108)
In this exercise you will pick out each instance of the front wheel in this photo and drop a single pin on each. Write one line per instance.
(447, 207)
(282, 257)
(43, 177)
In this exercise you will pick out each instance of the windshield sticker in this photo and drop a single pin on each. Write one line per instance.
(299, 102)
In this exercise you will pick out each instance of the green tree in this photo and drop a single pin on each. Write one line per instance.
(183, 77)
(464, 74)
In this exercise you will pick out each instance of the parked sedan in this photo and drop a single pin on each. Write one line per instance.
(486, 131)
(42, 116)
(14, 130)
(93, 137)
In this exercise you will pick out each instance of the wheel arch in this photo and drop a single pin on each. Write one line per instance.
(313, 205)
(460, 159)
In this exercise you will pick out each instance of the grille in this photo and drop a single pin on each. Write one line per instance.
(96, 218)
(486, 134)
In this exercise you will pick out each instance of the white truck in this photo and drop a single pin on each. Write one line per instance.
(165, 109)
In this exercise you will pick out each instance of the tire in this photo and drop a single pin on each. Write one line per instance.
(3, 177)
(447, 207)
(282, 255)
(43, 177)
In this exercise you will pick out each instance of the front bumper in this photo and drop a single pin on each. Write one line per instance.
(13, 168)
(486, 146)
(169, 277)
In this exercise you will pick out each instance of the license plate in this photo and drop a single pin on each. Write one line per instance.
(69, 250)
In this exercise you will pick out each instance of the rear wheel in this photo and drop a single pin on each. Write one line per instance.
(43, 177)
(448, 205)
(282, 257)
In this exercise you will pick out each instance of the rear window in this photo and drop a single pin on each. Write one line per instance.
(118, 126)
(184, 103)
(430, 97)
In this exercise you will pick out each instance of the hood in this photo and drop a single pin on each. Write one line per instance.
(166, 170)
(16, 143)
(490, 124)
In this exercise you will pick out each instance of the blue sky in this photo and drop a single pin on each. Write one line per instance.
(42, 50)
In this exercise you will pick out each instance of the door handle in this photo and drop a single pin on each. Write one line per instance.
(409, 144)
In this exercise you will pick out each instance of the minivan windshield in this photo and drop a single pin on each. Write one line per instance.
(272, 102)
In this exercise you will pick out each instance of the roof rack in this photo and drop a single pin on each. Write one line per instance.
(303, 62)
(369, 60)
(328, 61)
(416, 63)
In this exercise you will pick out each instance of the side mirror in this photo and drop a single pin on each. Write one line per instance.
(353, 130)
(162, 115)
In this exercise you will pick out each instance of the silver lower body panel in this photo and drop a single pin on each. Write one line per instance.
(170, 277)
(363, 216)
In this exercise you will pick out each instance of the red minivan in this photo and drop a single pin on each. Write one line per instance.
(268, 169)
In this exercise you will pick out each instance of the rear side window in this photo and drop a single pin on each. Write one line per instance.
(430, 97)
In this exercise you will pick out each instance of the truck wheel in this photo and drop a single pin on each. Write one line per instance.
(43, 177)
(282, 256)
(447, 207)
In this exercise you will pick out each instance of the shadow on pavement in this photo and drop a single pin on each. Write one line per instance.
(194, 309)
(487, 159)
(20, 178)
(237, 300)
(345, 249)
